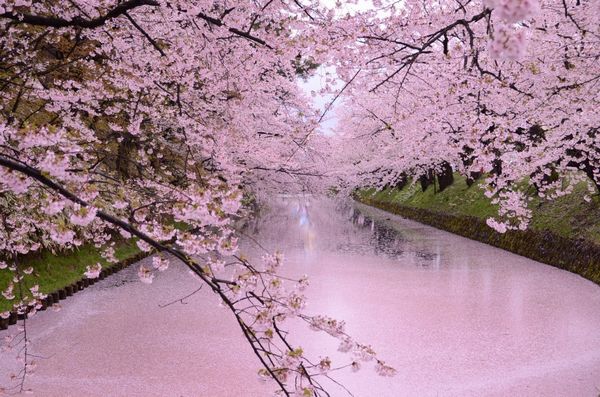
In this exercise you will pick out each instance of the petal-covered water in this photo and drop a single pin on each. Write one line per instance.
(453, 316)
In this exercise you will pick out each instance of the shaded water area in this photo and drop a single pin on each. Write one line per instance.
(455, 317)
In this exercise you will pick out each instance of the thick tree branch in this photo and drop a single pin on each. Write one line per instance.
(38, 176)
(55, 22)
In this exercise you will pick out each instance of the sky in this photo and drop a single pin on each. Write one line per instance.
(317, 81)
(320, 101)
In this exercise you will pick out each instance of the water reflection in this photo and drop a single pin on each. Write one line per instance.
(385, 240)
(460, 317)
(455, 317)
(317, 225)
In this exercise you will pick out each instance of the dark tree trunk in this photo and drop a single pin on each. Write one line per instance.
(401, 182)
(445, 177)
(473, 176)
(426, 180)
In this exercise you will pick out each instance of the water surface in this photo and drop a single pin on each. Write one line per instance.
(455, 317)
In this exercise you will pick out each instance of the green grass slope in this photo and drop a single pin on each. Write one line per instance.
(53, 272)
(568, 216)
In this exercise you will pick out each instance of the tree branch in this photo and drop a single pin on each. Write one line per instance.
(55, 22)
(146, 35)
(237, 32)
(212, 282)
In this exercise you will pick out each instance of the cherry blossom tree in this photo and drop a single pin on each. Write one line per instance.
(508, 89)
(123, 119)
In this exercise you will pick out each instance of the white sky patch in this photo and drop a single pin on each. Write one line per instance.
(314, 85)
(348, 7)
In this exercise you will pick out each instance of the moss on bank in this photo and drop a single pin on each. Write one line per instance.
(53, 272)
(563, 233)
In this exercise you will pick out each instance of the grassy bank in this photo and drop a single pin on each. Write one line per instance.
(569, 216)
(564, 233)
(53, 272)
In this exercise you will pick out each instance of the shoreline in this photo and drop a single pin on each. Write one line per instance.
(574, 255)
(71, 289)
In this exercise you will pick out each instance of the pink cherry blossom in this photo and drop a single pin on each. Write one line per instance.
(160, 263)
(82, 216)
(192, 110)
(93, 271)
(145, 275)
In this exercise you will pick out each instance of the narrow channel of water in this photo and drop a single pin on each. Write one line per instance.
(455, 317)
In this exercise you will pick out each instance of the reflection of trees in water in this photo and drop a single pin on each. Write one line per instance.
(285, 222)
(339, 226)
(390, 242)
(383, 239)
